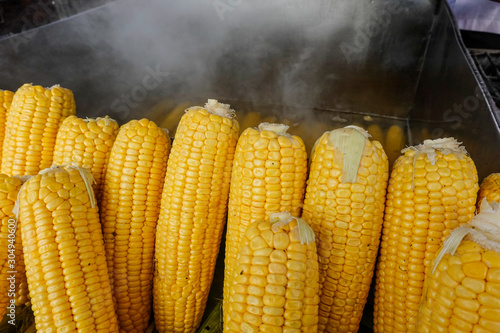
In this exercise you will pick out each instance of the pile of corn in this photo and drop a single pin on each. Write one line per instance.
(105, 228)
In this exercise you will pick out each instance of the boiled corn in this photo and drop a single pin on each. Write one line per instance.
(31, 128)
(192, 216)
(129, 212)
(432, 190)
(269, 175)
(275, 285)
(12, 288)
(87, 143)
(344, 205)
(462, 286)
(64, 253)
(5, 101)
(490, 189)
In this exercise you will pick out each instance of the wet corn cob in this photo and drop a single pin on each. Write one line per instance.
(395, 140)
(5, 101)
(275, 284)
(462, 286)
(250, 119)
(344, 205)
(64, 253)
(11, 248)
(31, 128)
(269, 175)
(490, 189)
(376, 132)
(171, 120)
(192, 217)
(129, 212)
(432, 190)
(310, 130)
(87, 143)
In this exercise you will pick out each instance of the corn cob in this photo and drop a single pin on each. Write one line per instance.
(11, 249)
(192, 217)
(344, 205)
(251, 119)
(395, 140)
(269, 175)
(64, 253)
(31, 128)
(490, 189)
(171, 120)
(462, 286)
(424, 134)
(275, 285)
(376, 132)
(432, 190)
(5, 101)
(310, 131)
(87, 143)
(129, 212)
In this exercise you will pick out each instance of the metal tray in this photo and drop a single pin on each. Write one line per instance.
(317, 65)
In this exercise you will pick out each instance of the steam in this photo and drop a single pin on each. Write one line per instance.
(130, 59)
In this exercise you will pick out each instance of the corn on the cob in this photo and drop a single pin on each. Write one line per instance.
(269, 175)
(462, 286)
(275, 284)
(12, 271)
(173, 117)
(251, 119)
(425, 134)
(31, 128)
(64, 253)
(490, 189)
(5, 101)
(87, 143)
(432, 190)
(192, 217)
(310, 130)
(344, 205)
(376, 132)
(129, 211)
(395, 140)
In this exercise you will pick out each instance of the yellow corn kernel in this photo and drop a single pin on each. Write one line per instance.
(475, 308)
(64, 253)
(376, 132)
(31, 128)
(432, 190)
(192, 215)
(283, 159)
(5, 101)
(490, 189)
(291, 304)
(171, 120)
(86, 143)
(250, 119)
(12, 285)
(344, 205)
(395, 140)
(129, 212)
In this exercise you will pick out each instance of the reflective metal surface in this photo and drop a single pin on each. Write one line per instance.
(123, 58)
(452, 99)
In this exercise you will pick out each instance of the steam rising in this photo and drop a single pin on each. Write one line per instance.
(124, 58)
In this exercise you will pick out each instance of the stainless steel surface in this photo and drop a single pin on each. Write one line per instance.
(452, 99)
(362, 56)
